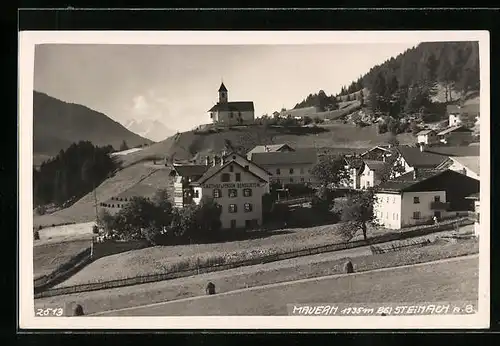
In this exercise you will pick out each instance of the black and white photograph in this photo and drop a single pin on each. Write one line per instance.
(317, 180)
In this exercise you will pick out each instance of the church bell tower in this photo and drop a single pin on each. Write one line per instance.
(222, 93)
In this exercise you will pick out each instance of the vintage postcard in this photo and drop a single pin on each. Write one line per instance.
(270, 180)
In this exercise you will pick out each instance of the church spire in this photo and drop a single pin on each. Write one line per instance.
(222, 93)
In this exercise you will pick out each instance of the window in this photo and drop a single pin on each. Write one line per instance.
(247, 192)
(233, 223)
(225, 177)
(278, 171)
(416, 200)
(437, 198)
(233, 193)
(238, 176)
(233, 208)
(291, 180)
(387, 199)
(387, 215)
(231, 115)
(248, 207)
(397, 216)
(231, 169)
(393, 200)
(196, 194)
(416, 215)
(302, 180)
(217, 193)
(248, 223)
(394, 216)
(234, 157)
(367, 184)
(291, 170)
(247, 167)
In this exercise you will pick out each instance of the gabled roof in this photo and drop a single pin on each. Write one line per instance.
(237, 106)
(190, 170)
(374, 165)
(354, 161)
(222, 87)
(425, 132)
(232, 153)
(269, 148)
(299, 156)
(407, 180)
(470, 162)
(458, 128)
(416, 158)
(215, 169)
(463, 150)
(379, 147)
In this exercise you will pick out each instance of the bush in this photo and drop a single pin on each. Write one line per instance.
(95, 229)
(36, 235)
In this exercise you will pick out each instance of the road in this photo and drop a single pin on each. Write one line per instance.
(444, 280)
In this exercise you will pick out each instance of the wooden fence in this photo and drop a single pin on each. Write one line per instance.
(423, 230)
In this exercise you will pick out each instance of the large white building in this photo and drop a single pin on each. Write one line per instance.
(231, 113)
(288, 167)
(419, 196)
(235, 183)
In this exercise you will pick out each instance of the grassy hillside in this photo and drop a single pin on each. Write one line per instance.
(57, 124)
(187, 144)
(83, 210)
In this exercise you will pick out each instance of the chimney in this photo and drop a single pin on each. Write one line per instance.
(415, 174)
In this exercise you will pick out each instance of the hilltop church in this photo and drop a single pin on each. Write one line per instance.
(231, 113)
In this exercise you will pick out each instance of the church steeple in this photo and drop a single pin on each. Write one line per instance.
(222, 93)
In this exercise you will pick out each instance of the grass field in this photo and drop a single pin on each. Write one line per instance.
(163, 259)
(47, 257)
(83, 210)
(253, 276)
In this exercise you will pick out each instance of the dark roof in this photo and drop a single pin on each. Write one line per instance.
(425, 132)
(247, 160)
(457, 128)
(215, 169)
(374, 165)
(416, 158)
(354, 161)
(463, 150)
(238, 106)
(408, 179)
(299, 156)
(269, 148)
(190, 170)
(222, 87)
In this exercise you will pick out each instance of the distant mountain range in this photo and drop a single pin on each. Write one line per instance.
(58, 124)
(149, 128)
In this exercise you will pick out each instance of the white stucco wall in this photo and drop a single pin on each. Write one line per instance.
(301, 173)
(387, 210)
(252, 167)
(453, 119)
(224, 117)
(247, 181)
(408, 207)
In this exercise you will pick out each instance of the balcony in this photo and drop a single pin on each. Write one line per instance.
(440, 205)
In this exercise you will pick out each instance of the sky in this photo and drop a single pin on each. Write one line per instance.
(177, 85)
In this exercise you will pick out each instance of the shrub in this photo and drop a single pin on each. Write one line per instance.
(36, 235)
(95, 229)
(348, 267)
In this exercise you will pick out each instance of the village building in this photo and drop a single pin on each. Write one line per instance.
(476, 214)
(418, 196)
(467, 165)
(288, 167)
(300, 113)
(371, 173)
(455, 113)
(427, 137)
(455, 135)
(409, 158)
(354, 166)
(270, 148)
(378, 153)
(235, 183)
(231, 113)
(455, 151)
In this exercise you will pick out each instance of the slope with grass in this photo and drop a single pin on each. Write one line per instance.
(48, 257)
(84, 209)
(187, 144)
